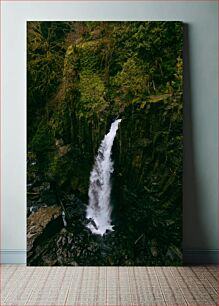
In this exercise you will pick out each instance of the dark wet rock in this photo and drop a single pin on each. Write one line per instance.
(59, 241)
(49, 198)
(70, 240)
(50, 243)
(38, 221)
(40, 195)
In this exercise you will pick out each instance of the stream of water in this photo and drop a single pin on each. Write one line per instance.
(99, 207)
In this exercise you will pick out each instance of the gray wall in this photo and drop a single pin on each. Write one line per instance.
(200, 120)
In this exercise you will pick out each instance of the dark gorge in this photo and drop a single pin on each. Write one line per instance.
(81, 77)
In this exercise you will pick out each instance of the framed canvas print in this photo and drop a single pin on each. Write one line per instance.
(104, 143)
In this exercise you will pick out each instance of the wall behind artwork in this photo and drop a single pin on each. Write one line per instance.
(200, 112)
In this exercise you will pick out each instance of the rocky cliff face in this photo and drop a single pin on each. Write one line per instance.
(106, 70)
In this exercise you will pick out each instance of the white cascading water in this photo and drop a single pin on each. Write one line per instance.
(99, 208)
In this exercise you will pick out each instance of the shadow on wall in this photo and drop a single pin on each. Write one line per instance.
(193, 230)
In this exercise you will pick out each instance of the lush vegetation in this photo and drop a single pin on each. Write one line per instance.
(81, 75)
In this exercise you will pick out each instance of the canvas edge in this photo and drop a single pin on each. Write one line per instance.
(193, 257)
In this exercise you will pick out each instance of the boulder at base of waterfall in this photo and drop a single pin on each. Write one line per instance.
(37, 222)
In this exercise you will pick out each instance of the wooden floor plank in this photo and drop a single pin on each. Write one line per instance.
(108, 286)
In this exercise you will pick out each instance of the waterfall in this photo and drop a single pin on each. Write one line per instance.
(99, 208)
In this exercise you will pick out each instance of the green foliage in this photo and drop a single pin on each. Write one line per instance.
(93, 95)
(131, 81)
(45, 55)
(81, 75)
(42, 140)
(90, 54)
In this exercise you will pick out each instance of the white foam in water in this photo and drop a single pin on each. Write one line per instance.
(99, 208)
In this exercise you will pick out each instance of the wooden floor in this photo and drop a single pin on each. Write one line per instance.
(79, 286)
